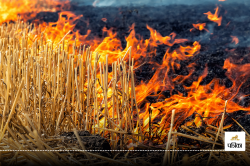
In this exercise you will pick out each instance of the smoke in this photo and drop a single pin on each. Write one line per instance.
(102, 3)
(206, 35)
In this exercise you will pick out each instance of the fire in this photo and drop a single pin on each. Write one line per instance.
(27, 9)
(199, 26)
(104, 19)
(214, 17)
(235, 39)
(62, 29)
(202, 100)
(161, 80)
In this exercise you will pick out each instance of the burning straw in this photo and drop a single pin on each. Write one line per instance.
(47, 90)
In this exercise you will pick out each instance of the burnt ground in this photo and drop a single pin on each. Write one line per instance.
(168, 19)
(178, 19)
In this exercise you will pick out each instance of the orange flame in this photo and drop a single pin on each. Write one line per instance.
(199, 26)
(235, 40)
(104, 19)
(214, 17)
(27, 9)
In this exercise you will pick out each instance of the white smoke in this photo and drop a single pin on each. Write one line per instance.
(204, 37)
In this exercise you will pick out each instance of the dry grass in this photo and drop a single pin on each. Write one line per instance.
(46, 90)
